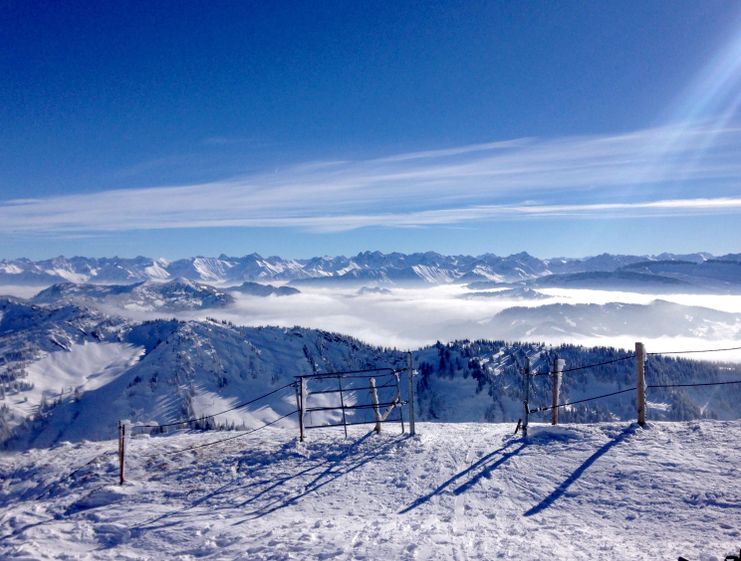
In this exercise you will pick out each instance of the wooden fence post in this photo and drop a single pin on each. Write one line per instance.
(342, 404)
(374, 401)
(300, 394)
(410, 378)
(558, 364)
(526, 401)
(121, 451)
(641, 383)
(398, 392)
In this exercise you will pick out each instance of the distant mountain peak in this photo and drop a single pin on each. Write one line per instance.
(421, 268)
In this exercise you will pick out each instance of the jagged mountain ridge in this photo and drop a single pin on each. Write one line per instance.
(398, 268)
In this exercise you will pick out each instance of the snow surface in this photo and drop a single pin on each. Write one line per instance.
(86, 366)
(456, 491)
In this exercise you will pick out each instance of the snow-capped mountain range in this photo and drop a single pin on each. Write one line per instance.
(698, 270)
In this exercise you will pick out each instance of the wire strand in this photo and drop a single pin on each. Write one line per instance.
(586, 366)
(195, 419)
(598, 364)
(541, 409)
(231, 437)
(693, 385)
(697, 351)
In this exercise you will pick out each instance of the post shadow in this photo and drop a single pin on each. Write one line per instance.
(157, 522)
(558, 492)
(335, 468)
(485, 472)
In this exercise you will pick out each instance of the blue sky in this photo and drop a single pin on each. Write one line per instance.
(299, 129)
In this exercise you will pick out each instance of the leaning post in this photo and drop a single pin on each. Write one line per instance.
(641, 383)
(374, 401)
(410, 378)
(558, 364)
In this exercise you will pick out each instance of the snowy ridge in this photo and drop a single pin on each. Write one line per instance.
(264, 290)
(175, 295)
(614, 319)
(183, 370)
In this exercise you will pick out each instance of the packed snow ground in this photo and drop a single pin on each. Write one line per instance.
(456, 491)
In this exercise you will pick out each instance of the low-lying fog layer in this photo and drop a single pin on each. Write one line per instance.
(409, 318)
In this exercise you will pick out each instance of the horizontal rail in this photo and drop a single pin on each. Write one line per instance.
(349, 373)
(354, 423)
(354, 406)
(345, 390)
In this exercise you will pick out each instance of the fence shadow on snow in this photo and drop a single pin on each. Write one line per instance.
(331, 469)
(558, 492)
(485, 467)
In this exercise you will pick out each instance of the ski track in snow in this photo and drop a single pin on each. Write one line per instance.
(456, 491)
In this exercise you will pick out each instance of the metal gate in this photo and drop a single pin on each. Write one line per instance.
(353, 397)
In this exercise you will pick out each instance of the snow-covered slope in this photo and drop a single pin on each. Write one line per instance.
(70, 372)
(456, 491)
(183, 370)
(164, 371)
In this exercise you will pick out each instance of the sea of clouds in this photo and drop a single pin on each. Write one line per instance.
(414, 317)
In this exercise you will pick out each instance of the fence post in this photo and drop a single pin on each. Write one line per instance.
(374, 401)
(641, 383)
(526, 402)
(558, 364)
(401, 408)
(300, 394)
(410, 378)
(121, 451)
(342, 404)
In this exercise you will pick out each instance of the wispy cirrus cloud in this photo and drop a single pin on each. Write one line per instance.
(601, 176)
